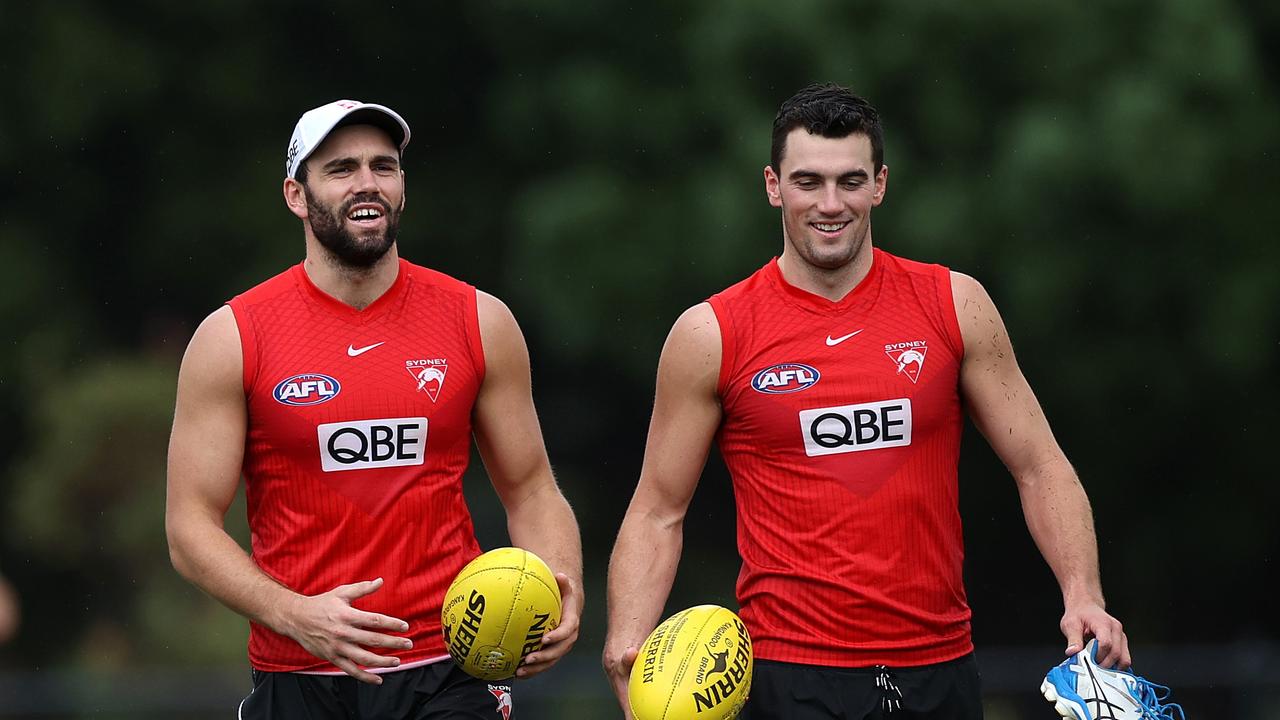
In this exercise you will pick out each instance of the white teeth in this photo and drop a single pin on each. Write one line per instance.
(365, 213)
(829, 227)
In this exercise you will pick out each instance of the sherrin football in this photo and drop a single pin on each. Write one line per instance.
(696, 664)
(497, 610)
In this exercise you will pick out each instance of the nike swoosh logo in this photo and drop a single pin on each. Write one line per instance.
(832, 342)
(353, 351)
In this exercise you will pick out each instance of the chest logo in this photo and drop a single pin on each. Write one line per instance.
(854, 428)
(306, 389)
(785, 378)
(353, 351)
(365, 444)
(908, 358)
(428, 375)
(832, 342)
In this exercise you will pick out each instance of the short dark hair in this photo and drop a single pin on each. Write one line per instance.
(831, 111)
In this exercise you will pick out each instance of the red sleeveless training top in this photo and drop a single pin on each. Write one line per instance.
(841, 431)
(359, 433)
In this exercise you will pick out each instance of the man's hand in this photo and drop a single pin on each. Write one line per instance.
(617, 666)
(328, 627)
(557, 643)
(1089, 619)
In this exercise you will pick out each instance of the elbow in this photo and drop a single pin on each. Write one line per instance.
(1047, 471)
(178, 557)
(178, 560)
(658, 520)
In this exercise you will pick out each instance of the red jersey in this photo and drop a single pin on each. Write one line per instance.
(359, 433)
(841, 431)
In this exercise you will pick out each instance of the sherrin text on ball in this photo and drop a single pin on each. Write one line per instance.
(497, 610)
(695, 665)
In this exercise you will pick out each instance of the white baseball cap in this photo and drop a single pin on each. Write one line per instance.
(315, 125)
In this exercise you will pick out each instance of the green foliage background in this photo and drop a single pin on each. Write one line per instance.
(1107, 169)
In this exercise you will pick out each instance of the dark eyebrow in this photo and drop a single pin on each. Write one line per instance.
(803, 174)
(343, 162)
(339, 162)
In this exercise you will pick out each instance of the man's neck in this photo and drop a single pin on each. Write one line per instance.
(357, 287)
(830, 283)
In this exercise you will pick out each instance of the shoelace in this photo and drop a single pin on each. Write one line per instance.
(890, 695)
(1153, 697)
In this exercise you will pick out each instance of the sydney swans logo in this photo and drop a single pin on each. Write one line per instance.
(428, 375)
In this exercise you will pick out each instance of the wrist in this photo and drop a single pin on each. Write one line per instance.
(1083, 595)
(280, 610)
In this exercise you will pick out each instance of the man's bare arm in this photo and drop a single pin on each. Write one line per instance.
(686, 413)
(509, 437)
(1054, 503)
(206, 451)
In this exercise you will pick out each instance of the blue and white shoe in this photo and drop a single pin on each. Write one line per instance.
(1080, 689)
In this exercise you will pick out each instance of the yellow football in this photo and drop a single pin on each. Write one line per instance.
(696, 664)
(497, 610)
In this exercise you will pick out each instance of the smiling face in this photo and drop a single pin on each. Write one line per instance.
(353, 195)
(826, 188)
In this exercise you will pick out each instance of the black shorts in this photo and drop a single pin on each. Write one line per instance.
(790, 691)
(428, 692)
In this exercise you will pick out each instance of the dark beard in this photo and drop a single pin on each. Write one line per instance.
(344, 246)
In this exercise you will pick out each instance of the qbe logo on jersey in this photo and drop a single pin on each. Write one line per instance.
(853, 428)
(364, 444)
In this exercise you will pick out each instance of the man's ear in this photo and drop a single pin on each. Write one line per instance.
(772, 188)
(882, 184)
(295, 197)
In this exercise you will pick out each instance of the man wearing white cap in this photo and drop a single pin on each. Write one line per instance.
(346, 391)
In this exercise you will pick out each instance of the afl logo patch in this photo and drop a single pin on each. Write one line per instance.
(306, 389)
(785, 378)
